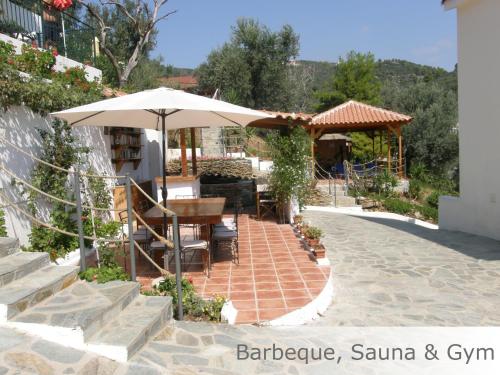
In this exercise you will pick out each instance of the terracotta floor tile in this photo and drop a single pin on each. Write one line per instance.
(264, 272)
(314, 277)
(241, 279)
(248, 287)
(267, 286)
(216, 288)
(295, 293)
(245, 305)
(292, 285)
(266, 279)
(271, 304)
(269, 294)
(246, 316)
(296, 303)
(270, 314)
(242, 296)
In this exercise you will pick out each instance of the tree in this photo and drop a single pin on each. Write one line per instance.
(252, 67)
(354, 79)
(431, 139)
(289, 175)
(126, 30)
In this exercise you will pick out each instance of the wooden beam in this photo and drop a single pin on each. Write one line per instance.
(400, 151)
(313, 164)
(389, 157)
(183, 153)
(194, 162)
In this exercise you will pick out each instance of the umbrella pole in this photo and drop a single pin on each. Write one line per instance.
(175, 225)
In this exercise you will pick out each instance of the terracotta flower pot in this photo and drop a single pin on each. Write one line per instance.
(313, 242)
(319, 251)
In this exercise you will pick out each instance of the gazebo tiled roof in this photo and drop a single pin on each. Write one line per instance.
(356, 116)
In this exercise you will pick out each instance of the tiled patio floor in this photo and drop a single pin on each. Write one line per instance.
(275, 276)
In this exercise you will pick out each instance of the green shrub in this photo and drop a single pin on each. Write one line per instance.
(193, 305)
(433, 199)
(35, 61)
(419, 172)
(428, 212)
(104, 274)
(3, 230)
(313, 233)
(384, 183)
(415, 189)
(398, 206)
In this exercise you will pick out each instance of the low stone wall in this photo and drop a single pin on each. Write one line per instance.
(245, 189)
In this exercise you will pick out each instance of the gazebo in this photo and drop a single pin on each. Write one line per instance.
(354, 116)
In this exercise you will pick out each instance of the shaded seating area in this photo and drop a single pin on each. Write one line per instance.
(354, 116)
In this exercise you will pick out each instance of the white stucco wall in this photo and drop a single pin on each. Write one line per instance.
(18, 125)
(477, 210)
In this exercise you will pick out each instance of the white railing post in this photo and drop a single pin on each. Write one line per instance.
(178, 271)
(79, 221)
(130, 217)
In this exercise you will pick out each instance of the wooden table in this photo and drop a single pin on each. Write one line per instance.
(189, 211)
(203, 211)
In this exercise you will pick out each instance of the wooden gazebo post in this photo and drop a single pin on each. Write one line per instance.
(400, 151)
(194, 162)
(183, 153)
(313, 163)
(389, 156)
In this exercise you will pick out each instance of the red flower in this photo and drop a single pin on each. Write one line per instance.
(190, 279)
(62, 4)
(54, 52)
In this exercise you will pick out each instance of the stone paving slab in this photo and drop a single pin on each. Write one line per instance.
(393, 273)
(141, 320)
(20, 264)
(8, 246)
(33, 288)
(82, 308)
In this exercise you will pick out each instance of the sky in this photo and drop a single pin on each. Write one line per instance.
(416, 30)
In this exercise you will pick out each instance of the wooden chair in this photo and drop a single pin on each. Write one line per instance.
(266, 204)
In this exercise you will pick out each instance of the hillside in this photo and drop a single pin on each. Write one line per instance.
(400, 72)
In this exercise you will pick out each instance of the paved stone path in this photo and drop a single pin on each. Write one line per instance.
(385, 273)
(391, 273)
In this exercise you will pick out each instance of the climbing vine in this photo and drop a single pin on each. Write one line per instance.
(289, 178)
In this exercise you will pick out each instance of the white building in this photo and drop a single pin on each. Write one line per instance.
(477, 209)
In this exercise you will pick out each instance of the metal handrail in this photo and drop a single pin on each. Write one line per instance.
(37, 20)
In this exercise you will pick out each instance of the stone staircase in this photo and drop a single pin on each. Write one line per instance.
(343, 200)
(112, 319)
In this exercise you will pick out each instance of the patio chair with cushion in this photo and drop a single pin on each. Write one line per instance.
(227, 233)
(193, 227)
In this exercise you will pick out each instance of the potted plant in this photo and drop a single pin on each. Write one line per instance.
(297, 220)
(319, 251)
(313, 235)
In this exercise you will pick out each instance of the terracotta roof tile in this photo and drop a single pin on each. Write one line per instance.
(355, 114)
(290, 115)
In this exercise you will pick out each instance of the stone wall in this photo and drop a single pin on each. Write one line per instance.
(211, 142)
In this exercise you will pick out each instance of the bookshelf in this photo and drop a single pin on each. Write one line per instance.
(126, 147)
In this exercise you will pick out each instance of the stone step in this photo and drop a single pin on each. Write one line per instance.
(20, 264)
(75, 314)
(344, 201)
(8, 246)
(29, 290)
(126, 334)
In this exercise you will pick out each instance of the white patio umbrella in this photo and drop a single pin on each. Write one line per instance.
(161, 109)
